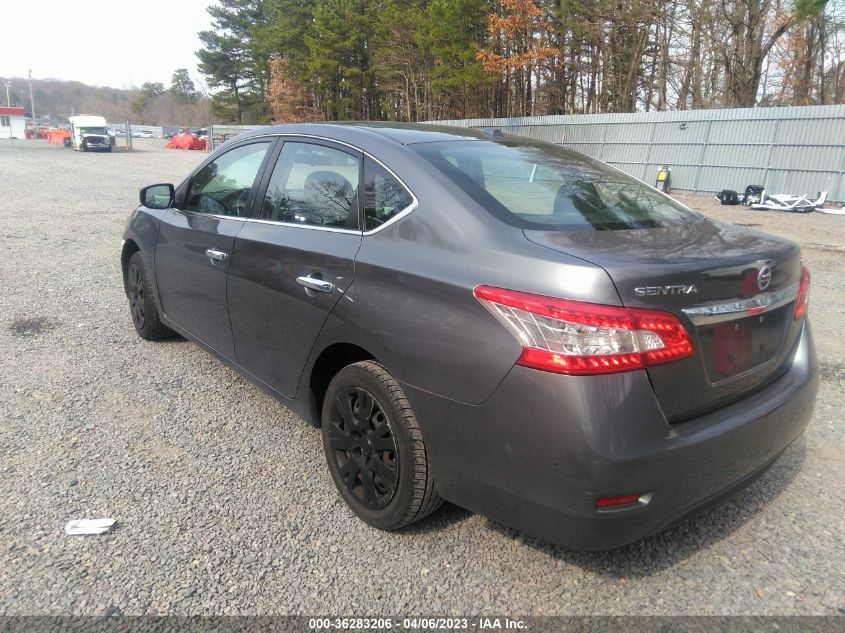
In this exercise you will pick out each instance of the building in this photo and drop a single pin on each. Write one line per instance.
(12, 123)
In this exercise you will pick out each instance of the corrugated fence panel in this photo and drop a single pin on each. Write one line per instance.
(550, 133)
(680, 155)
(737, 156)
(631, 153)
(584, 148)
(222, 133)
(820, 158)
(718, 178)
(692, 132)
(629, 132)
(742, 132)
(787, 150)
(808, 132)
(580, 133)
(800, 182)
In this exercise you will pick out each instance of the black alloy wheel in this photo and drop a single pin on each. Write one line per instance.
(142, 305)
(364, 448)
(135, 290)
(374, 448)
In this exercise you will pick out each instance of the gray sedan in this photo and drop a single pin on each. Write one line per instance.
(502, 323)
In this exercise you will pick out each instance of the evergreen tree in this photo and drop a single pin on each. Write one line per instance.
(428, 59)
(403, 65)
(283, 35)
(453, 33)
(150, 91)
(340, 46)
(234, 60)
(182, 87)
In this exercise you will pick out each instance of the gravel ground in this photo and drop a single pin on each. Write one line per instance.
(223, 502)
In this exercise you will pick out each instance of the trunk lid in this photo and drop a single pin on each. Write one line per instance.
(734, 289)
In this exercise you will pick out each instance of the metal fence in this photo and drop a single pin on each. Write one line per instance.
(218, 134)
(155, 130)
(787, 150)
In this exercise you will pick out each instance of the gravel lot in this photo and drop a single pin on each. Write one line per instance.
(222, 499)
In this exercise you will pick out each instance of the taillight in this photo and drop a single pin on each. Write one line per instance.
(622, 500)
(573, 337)
(802, 303)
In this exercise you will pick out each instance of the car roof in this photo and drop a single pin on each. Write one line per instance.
(360, 131)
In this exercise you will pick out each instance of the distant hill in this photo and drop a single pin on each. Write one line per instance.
(59, 99)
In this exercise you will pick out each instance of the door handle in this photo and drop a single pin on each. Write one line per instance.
(214, 254)
(313, 283)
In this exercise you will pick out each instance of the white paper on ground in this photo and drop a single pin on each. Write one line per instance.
(88, 526)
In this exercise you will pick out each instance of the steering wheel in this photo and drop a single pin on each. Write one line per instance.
(236, 202)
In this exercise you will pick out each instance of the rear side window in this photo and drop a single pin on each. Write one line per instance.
(542, 186)
(384, 196)
(222, 187)
(313, 185)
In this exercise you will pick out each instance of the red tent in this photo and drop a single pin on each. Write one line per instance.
(187, 141)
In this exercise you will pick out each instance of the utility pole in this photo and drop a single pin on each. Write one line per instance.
(31, 100)
(8, 83)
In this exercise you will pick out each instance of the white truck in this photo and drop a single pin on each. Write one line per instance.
(90, 132)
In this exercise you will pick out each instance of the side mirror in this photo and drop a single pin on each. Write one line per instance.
(158, 196)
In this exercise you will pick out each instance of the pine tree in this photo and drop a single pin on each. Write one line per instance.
(340, 46)
(454, 32)
(182, 87)
(233, 59)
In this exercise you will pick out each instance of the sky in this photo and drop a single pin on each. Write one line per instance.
(121, 43)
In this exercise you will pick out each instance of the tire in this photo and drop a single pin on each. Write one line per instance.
(142, 305)
(388, 441)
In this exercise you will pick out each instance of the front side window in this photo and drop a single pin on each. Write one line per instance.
(313, 185)
(541, 186)
(384, 195)
(4, 121)
(222, 187)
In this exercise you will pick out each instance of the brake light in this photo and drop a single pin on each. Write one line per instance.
(802, 303)
(574, 337)
(623, 500)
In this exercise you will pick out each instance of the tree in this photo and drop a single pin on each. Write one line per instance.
(404, 67)
(754, 27)
(283, 34)
(234, 60)
(150, 91)
(428, 59)
(287, 97)
(519, 36)
(454, 32)
(182, 87)
(340, 47)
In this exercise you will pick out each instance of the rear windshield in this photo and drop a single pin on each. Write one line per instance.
(543, 186)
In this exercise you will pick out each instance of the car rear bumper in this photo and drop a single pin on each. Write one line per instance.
(540, 451)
